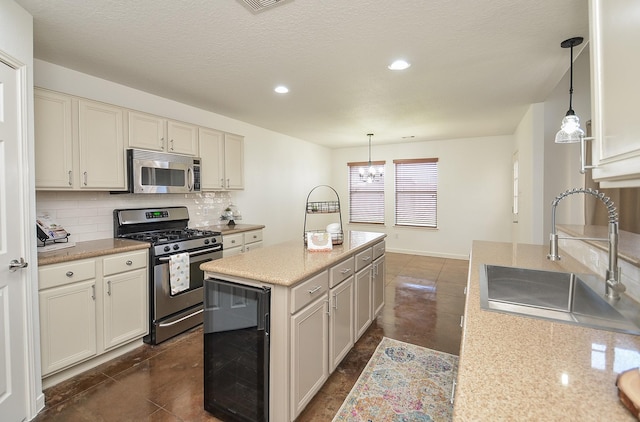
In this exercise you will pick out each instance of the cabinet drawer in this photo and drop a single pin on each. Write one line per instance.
(65, 273)
(364, 258)
(309, 290)
(124, 262)
(254, 236)
(378, 250)
(341, 271)
(232, 240)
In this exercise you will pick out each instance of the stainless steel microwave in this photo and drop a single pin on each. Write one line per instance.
(157, 172)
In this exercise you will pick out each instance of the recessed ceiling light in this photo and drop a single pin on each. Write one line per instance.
(281, 89)
(399, 65)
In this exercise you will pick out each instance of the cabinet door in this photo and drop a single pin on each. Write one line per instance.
(363, 307)
(309, 354)
(53, 140)
(182, 138)
(341, 322)
(101, 145)
(125, 307)
(146, 131)
(378, 285)
(212, 155)
(615, 67)
(67, 325)
(234, 161)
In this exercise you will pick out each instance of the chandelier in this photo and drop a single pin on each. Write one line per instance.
(371, 174)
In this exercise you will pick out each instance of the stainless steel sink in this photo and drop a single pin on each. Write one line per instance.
(563, 297)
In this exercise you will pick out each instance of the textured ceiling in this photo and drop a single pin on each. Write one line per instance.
(476, 64)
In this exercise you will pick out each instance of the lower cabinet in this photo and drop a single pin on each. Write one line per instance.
(363, 309)
(341, 322)
(238, 243)
(91, 306)
(378, 275)
(310, 353)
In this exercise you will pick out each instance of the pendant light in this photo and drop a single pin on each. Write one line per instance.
(370, 175)
(570, 130)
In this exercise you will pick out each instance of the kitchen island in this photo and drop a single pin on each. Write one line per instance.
(320, 303)
(519, 368)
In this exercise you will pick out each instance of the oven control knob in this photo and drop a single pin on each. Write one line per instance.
(176, 247)
(167, 249)
(206, 241)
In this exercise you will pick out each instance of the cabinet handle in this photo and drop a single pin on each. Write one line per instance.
(461, 320)
(328, 311)
(344, 271)
(222, 183)
(335, 301)
(129, 262)
(85, 178)
(465, 290)
(93, 291)
(453, 391)
(366, 258)
(233, 241)
(255, 236)
(162, 143)
(172, 145)
(69, 274)
(109, 287)
(315, 289)
(228, 184)
(70, 182)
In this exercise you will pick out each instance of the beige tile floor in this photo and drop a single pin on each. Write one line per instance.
(424, 302)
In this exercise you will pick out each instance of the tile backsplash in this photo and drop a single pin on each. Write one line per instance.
(89, 215)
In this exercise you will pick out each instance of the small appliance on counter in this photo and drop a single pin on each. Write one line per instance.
(231, 214)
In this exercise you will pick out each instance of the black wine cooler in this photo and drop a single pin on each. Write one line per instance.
(236, 351)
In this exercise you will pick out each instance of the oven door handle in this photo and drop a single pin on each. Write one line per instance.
(205, 251)
(168, 324)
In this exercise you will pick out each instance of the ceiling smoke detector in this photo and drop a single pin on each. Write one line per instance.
(258, 5)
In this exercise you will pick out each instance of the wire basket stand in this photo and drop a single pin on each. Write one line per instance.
(323, 207)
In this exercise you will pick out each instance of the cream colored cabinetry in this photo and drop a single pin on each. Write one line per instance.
(378, 277)
(155, 133)
(614, 72)
(309, 341)
(67, 314)
(234, 244)
(79, 144)
(90, 306)
(54, 140)
(341, 313)
(363, 292)
(222, 160)
(125, 288)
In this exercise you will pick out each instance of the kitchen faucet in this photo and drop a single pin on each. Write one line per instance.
(613, 285)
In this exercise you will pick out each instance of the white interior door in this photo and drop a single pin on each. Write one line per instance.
(13, 353)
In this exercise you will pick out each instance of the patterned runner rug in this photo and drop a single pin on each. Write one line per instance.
(402, 382)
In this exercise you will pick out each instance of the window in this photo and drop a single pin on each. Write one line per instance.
(417, 192)
(366, 200)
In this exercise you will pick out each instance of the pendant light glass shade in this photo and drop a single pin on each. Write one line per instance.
(570, 131)
(371, 174)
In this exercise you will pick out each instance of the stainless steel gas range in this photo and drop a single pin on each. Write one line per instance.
(176, 295)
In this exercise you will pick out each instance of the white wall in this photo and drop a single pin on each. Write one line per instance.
(474, 193)
(279, 170)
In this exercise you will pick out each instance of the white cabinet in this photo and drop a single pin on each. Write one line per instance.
(155, 133)
(67, 314)
(54, 140)
(237, 243)
(309, 353)
(79, 144)
(222, 160)
(615, 66)
(90, 306)
(378, 277)
(363, 292)
(341, 322)
(125, 288)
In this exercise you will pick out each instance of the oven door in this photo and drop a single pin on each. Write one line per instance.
(171, 313)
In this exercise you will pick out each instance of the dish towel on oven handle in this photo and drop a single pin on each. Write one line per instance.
(179, 272)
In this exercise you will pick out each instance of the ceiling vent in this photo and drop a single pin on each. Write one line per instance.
(258, 5)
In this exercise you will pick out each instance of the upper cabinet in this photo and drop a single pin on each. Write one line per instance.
(155, 133)
(222, 160)
(79, 144)
(615, 64)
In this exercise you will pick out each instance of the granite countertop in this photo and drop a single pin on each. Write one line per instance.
(227, 229)
(288, 263)
(90, 249)
(519, 368)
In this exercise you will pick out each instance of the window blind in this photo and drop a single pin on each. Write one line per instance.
(417, 192)
(366, 200)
